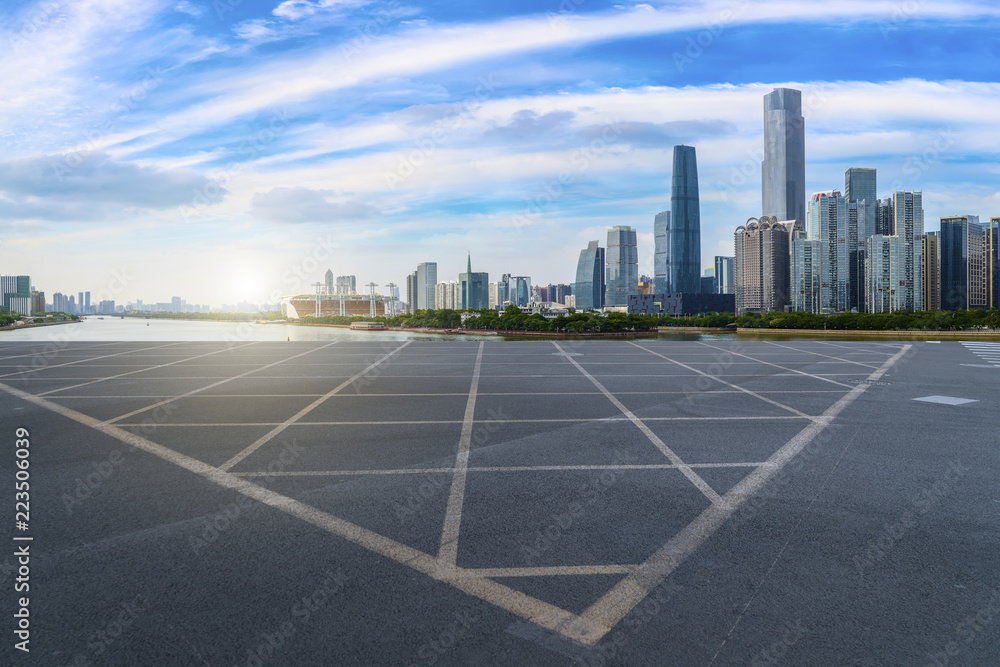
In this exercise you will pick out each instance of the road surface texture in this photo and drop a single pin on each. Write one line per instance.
(517, 503)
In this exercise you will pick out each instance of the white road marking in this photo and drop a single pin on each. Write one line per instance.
(947, 400)
(620, 600)
(206, 388)
(696, 479)
(448, 552)
(303, 412)
(421, 471)
(728, 384)
(784, 368)
(144, 368)
(79, 361)
(828, 356)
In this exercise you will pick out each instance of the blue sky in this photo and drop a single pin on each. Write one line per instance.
(220, 150)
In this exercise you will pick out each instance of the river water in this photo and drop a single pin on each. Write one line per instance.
(140, 329)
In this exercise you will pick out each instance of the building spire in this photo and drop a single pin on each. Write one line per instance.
(470, 264)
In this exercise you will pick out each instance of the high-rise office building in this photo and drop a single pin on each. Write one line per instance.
(623, 266)
(37, 302)
(475, 289)
(930, 254)
(427, 277)
(885, 219)
(348, 285)
(589, 288)
(685, 223)
(965, 279)
(994, 257)
(806, 274)
(761, 266)
(837, 223)
(411, 292)
(328, 281)
(784, 168)
(447, 295)
(661, 253)
(860, 185)
(884, 284)
(15, 294)
(724, 277)
(79, 303)
(520, 293)
(908, 224)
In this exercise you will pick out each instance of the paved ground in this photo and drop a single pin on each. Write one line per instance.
(564, 503)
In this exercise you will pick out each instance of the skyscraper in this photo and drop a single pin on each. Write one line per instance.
(783, 171)
(475, 289)
(993, 249)
(15, 294)
(328, 281)
(685, 224)
(931, 267)
(837, 223)
(411, 292)
(806, 274)
(884, 285)
(347, 285)
(589, 288)
(909, 227)
(623, 266)
(965, 280)
(427, 277)
(724, 274)
(860, 184)
(519, 290)
(885, 219)
(761, 266)
(661, 253)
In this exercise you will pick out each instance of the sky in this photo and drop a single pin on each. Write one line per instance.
(234, 150)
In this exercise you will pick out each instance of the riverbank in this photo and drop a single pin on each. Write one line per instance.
(22, 327)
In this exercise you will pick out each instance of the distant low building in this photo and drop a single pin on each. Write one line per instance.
(681, 304)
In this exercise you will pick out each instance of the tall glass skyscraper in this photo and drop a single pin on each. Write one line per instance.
(661, 253)
(965, 281)
(860, 184)
(474, 289)
(427, 277)
(589, 287)
(685, 224)
(908, 210)
(623, 266)
(837, 223)
(784, 168)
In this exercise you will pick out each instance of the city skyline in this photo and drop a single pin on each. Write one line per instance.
(224, 140)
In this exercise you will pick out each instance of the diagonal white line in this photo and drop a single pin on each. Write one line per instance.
(529, 608)
(728, 384)
(768, 363)
(620, 600)
(80, 361)
(214, 384)
(303, 412)
(685, 469)
(828, 356)
(448, 552)
(38, 352)
(141, 370)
